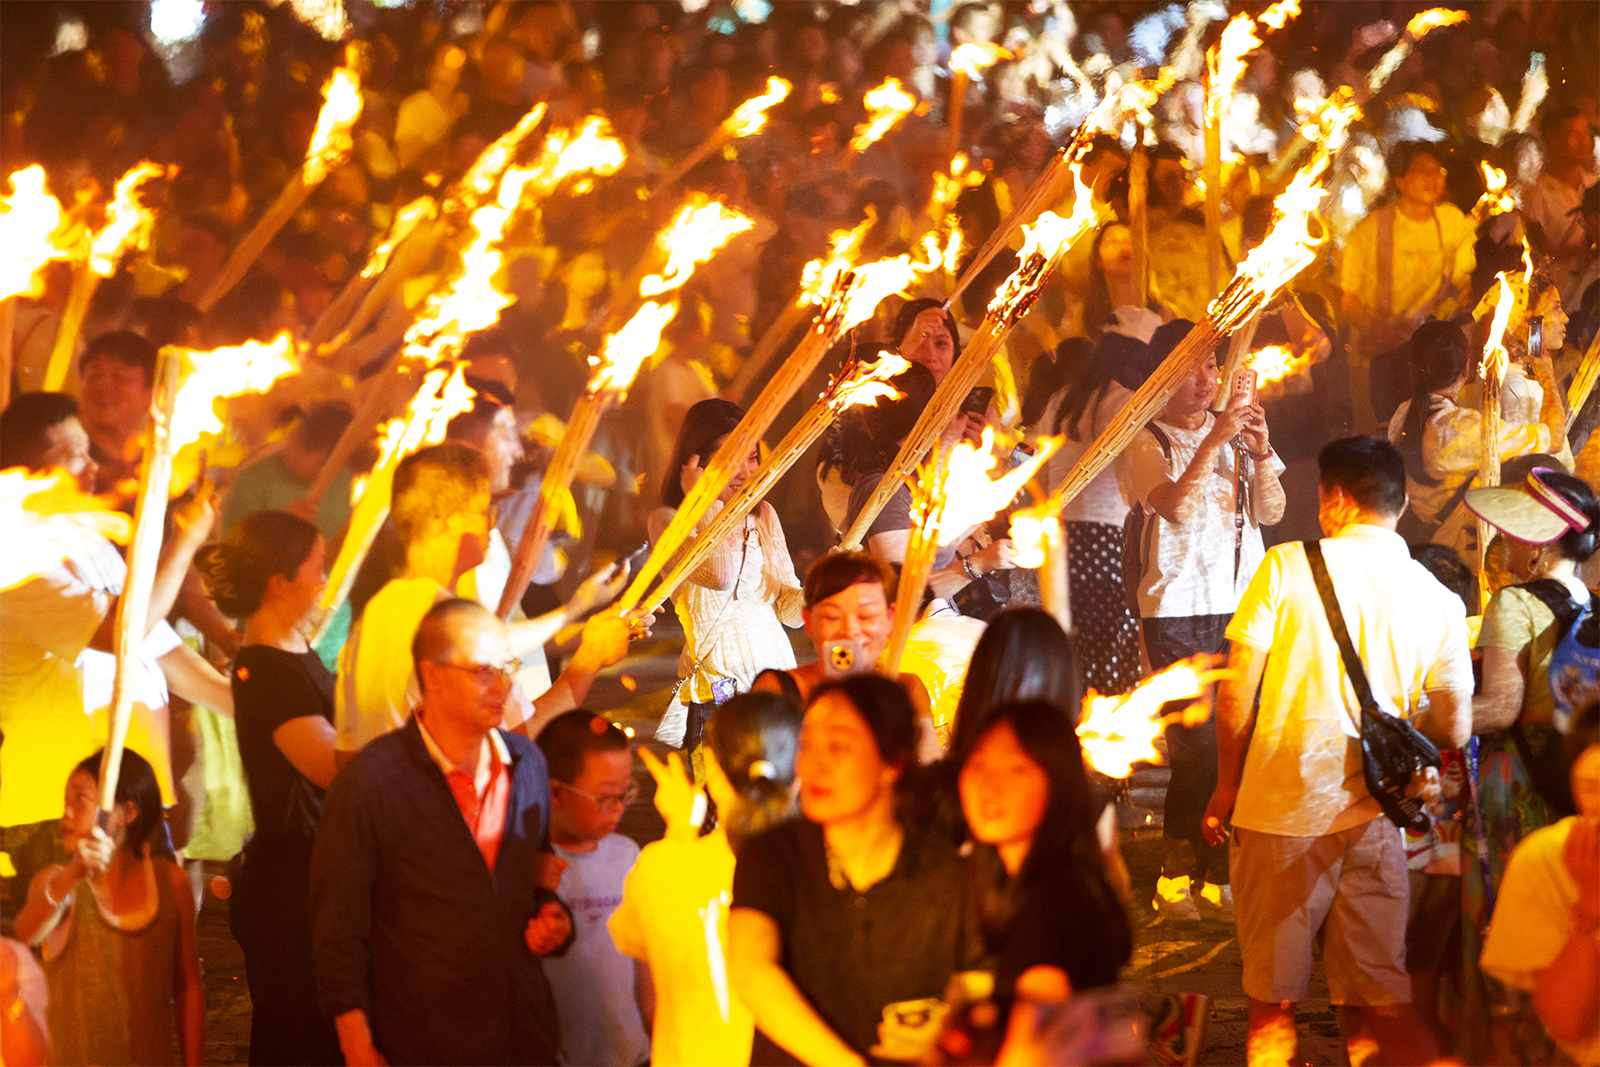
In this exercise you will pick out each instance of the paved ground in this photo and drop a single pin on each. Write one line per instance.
(1169, 957)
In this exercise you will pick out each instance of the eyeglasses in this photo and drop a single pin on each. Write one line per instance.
(486, 673)
(610, 801)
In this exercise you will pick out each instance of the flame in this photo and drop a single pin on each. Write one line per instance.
(1275, 363)
(1290, 246)
(1116, 732)
(947, 503)
(699, 229)
(480, 179)
(331, 142)
(327, 17)
(1048, 237)
(1495, 200)
(1279, 14)
(40, 512)
(973, 59)
(589, 150)
(1273, 1042)
(405, 221)
(31, 216)
(948, 187)
(869, 383)
(886, 106)
(1032, 530)
(750, 117)
(1495, 356)
(444, 395)
(222, 372)
(625, 350)
(127, 223)
(1225, 64)
(1432, 19)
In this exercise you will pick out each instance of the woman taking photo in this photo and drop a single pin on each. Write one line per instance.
(269, 573)
(841, 938)
(734, 605)
(116, 925)
(1551, 522)
(674, 911)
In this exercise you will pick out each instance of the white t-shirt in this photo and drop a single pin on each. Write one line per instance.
(1417, 270)
(1533, 919)
(1302, 774)
(54, 689)
(674, 916)
(1551, 203)
(1189, 567)
(593, 983)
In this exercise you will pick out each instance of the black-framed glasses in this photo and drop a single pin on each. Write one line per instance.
(607, 801)
(485, 673)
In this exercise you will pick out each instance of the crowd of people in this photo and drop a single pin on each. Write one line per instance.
(909, 865)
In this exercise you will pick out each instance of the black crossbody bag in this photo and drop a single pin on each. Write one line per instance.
(1392, 750)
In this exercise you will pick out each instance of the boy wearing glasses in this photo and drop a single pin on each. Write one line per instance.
(604, 999)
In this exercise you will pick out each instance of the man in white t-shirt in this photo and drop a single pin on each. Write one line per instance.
(1552, 206)
(441, 510)
(56, 666)
(1312, 853)
(1199, 544)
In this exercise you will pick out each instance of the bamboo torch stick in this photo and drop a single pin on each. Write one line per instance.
(8, 323)
(848, 297)
(1046, 242)
(1583, 382)
(856, 384)
(789, 319)
(84, 283)
(1213, 178)
(967, 64)
(747, 120)
(616, 367)
(958, 107)
(1139, 215)
(330, 144)
(381, 397)
(1238, 350)
(144, 551)
(406, 220)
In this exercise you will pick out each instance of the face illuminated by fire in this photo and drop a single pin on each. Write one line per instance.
(1423, 182)
(66, 445)
(843, 775)
(929, 343)
(1004, 793)
(861, 612)
(1197, 391)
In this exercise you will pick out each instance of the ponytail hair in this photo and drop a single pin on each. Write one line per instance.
(235, 571)
(1438, 356)
(137, 783)
(755, 738)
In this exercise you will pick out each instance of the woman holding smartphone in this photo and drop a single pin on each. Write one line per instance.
(734, 605)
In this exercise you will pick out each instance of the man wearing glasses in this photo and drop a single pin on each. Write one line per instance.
(431, 885)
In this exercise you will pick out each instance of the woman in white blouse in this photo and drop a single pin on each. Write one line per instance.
(734, 605)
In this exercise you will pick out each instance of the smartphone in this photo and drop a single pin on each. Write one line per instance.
(634, 558)
(1244, 387)
(841, 659)
(978, 401)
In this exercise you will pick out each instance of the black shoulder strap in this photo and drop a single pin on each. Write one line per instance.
(1341, 633)
(1161, 438)
(1558, 598)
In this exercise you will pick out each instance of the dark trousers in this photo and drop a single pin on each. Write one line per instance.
(1191, 752)
(269, 915)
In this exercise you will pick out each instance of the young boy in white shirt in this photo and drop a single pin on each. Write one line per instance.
(604, 999)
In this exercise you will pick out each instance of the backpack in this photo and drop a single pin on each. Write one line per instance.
(1574, 681)
(1134, 531)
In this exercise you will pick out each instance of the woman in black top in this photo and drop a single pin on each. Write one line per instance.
(269, 573)
(1036, 895)
(841, 937)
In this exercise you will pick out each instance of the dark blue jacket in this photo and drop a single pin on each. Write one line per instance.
(410, 925)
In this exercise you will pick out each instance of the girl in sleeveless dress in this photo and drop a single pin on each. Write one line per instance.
(117, 928)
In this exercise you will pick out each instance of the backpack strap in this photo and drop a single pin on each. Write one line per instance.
(1558, 598)
(1341, 633)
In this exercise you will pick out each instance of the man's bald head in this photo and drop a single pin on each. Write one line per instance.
(439, 635)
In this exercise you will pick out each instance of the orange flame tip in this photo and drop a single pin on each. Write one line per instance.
(1495, 356)
(1049, 236)
(44, 514)
(444, 394)
(1277, 362)
(750, 117)
(31, 217)
(1227, 60)
(127, 223)
(222, 372)
(1116, 732)
(1433, 19)
(405, 221)
(1279, 14)
(331, 141)
(886, 105)
(700, 228)
(589, 150)
(1032, 531)
(870, 383)
(973, 58)
(624, 351)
